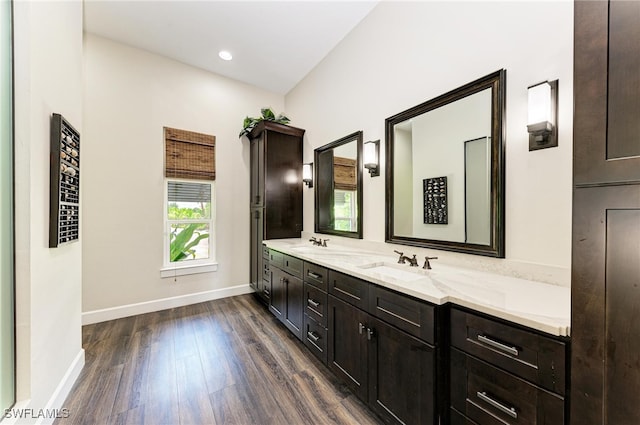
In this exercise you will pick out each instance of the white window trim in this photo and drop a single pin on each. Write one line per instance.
(352, 206)
(204, 265)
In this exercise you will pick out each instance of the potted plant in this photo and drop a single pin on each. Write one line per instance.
(249, 123)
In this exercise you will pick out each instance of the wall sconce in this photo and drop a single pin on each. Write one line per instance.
(307, 174)
(543, 115)
(372, 157)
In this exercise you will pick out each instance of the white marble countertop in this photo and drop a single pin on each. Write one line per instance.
(537, 305)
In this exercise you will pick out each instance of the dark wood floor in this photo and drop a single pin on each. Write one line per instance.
(221, 362)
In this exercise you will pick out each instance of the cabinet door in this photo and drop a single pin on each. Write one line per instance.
(294, 305)
(256, 269)
(606, 92)
(605, 300)
(401, 376)
(257, 172)
(347, 351)
(278, 295)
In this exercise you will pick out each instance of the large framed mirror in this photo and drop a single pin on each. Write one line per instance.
(338, 194)
(445, 171)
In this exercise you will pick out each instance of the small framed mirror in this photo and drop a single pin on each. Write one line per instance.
(338, 191)
(445, 171)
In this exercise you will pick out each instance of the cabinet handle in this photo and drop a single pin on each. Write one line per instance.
(511, 411)
(257, 199)
(266, 292)
(314, 275)
(313, 302)
(313, 336)
(360, 328)
(256, 214)
(370, 334)
(500, 346)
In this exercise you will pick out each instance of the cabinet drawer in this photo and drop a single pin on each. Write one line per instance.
(315, 304)
(412, 316)
(315, 275)
(315, 338)
(488, 395)
(458, 418)
(276, 258)
(349, 289)
(266, 274)
(527, 354)
(265, 252)
(265, 288)
(293, 266)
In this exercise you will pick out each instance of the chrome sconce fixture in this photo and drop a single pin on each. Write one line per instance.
(372, 157)
(543, 115)
(307, 174)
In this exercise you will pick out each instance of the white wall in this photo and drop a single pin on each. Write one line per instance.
(48, 79)
(129, 96)
(404, 53)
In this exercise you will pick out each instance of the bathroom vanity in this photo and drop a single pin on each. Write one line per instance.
(447, 345)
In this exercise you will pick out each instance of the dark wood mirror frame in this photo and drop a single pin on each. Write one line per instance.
(497, 82)
(324, 188)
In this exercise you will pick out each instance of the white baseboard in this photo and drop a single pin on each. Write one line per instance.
(112, 313)
(23, 413)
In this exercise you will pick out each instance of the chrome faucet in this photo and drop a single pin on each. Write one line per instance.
(413, 262)
(427, 265)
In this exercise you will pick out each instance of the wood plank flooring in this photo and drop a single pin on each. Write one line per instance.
(227, 361)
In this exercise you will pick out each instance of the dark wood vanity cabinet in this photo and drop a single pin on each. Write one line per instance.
(503, 374)
(388, 368)
(605, 294)
(275, 191)
(287, 293)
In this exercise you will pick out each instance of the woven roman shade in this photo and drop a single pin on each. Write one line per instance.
(344, 173)
(189, 155)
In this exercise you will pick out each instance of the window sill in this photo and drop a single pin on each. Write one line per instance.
(186, 270)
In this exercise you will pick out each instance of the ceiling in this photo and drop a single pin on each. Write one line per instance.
(275, 44)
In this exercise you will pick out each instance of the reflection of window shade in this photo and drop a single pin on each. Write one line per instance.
(344, 173)
(339, 197)
(189, 155)
(189, 192)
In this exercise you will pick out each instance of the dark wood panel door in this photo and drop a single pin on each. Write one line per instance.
(278, 295)
(255, 255)
(257, 172)
(294, 305)
(605, 298)
(402, 385)
(606, 92)
(347, 351)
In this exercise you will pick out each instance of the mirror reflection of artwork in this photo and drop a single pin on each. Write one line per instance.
(435, 200)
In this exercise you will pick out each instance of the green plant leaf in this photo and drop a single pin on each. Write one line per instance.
(181, 244)
(268, 114)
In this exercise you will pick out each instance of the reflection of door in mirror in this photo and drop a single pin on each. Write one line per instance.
(477, 189)
(432, 145)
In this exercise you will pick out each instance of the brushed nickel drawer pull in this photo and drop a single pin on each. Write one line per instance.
(511, 411)
(360, 328)
(500, 346)
(313, 303)
(314, 275)
(313, 336)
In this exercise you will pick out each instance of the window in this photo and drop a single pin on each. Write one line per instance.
(189, 242)
(344, 210)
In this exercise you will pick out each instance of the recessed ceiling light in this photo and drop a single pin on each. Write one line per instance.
(224, 55)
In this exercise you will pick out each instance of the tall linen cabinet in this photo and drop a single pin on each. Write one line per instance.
(605, 287)
(276, 194)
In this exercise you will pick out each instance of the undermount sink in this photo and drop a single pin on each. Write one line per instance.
(404, 273)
